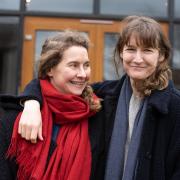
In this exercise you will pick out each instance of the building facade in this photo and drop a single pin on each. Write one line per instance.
(24, 24)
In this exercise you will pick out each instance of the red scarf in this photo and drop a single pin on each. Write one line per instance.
(71, 159)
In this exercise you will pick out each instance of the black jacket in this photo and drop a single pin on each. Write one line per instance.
(10, 107)
(159, 153)
(9, 110)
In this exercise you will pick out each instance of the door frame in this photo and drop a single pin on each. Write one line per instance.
(96, 30)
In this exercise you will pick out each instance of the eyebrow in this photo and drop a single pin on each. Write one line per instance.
(87, 61)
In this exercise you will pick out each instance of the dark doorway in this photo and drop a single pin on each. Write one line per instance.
(9, 64)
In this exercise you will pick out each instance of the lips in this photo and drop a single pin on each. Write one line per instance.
(138, 66)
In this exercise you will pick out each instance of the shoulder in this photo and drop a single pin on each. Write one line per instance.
(174, 93)
(8, 102)
(173, 101)
(7, 119)
(110, 87)
(32, 91)
(174, 104)
(9, 108)
(6, 127)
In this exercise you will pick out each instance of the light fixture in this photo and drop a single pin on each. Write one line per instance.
(28, 1)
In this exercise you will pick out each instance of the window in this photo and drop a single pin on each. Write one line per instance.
(176, 49)
(67, 6)
(135, 7)
(40, 38)
(9, 54)
(177, 8)
(110, 40)
(10, 4)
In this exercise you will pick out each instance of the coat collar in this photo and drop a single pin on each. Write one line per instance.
(159, 99)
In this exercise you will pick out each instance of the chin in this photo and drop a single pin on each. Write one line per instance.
(138, 76)
(77, 93)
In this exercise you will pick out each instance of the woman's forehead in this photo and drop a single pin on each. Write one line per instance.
(140, 39)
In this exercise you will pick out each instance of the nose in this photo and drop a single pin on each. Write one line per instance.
(138, 57)
(81, 72)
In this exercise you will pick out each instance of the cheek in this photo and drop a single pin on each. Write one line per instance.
(125, 64)
(88, 73)
(127, 59)
(69, 72)
(154, 64)
(126, 56)
(153, 68)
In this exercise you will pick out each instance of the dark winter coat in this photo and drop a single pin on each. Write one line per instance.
(10, 107)
(159, 153)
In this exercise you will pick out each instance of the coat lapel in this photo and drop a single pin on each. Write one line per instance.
(158, 103)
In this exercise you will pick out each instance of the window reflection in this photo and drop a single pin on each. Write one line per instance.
(10, 4)
(9, 63)
(41, 36)
(110, 40)
(177, 8)
(138, 7)
(67, 6)
(176, 50)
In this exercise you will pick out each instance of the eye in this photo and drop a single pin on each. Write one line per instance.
(73, 65)
(148, 50)
(87, 65)
(130, 49)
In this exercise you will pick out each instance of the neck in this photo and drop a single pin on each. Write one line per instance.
(134, 85)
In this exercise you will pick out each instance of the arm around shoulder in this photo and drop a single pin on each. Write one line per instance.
(32, 92)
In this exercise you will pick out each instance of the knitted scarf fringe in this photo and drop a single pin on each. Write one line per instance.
(26, 165)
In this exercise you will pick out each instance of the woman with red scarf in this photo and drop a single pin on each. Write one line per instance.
(140, 117)
(68, 102)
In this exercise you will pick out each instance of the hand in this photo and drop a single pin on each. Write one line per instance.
(30, 124)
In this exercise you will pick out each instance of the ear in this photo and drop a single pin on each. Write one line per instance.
(161, 58)
(50, 73)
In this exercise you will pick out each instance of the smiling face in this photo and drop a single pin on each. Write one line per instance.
(72, 73)
(139, 62)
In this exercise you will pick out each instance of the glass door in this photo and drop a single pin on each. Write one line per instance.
(103, 36)
(36, 30)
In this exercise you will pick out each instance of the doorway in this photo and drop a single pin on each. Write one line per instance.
(9, 63)
(103, 36)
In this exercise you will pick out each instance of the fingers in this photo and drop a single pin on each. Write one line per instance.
(19, 128)
(34, 141)
(40, 133)
(30, 124)
(29, 132)
(22, 130)
(34, 134)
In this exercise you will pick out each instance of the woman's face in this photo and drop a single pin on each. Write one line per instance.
(139, 62)
(71, 75)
